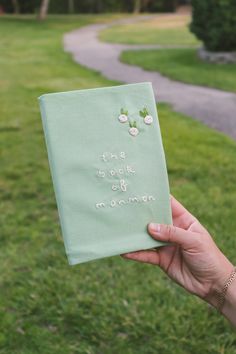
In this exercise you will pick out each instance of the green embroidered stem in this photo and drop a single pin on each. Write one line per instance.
(122, 111)
(133, 124)
(144, 112)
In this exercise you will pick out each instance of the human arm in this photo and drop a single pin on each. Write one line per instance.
(192, 260)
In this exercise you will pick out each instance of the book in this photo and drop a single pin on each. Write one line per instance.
(108, 168)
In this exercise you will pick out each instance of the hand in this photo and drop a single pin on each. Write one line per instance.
(192, 259)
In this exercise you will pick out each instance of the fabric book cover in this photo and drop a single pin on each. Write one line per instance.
(108, 168)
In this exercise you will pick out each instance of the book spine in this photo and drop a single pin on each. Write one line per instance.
(162, 152)
(53, 172)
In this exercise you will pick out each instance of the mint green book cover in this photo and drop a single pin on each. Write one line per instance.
(108, 168)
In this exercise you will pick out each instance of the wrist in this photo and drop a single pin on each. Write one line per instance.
(224, 273)
(229, 307)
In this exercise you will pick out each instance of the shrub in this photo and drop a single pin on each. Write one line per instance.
(214, 22)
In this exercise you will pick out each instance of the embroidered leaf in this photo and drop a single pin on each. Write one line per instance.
(145, 111)
(122, 111)
(141, 114)
(135, 124)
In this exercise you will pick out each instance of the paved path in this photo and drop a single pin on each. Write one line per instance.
(214, 107)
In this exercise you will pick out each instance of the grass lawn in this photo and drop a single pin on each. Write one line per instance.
(184, 65)
(108, 306)
(164, 29)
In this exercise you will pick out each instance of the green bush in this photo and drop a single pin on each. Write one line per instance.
(214, 22)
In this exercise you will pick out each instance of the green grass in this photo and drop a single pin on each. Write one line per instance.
(108, 306)
(184, 65)
(163, 30)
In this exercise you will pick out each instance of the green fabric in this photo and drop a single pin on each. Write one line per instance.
(106, 201)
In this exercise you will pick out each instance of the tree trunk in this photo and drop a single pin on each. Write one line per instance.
(71, 6)
(137, 6)
(16, 6)
(43, 9)
(175, 5)
(145, 4)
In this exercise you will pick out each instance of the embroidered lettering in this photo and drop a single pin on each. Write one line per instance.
(113, 203)
(133, 199)
(123, 185)
(100, 205)
(101, 174)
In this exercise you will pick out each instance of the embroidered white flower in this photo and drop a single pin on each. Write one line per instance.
(146, 116)
(133, 128)
(148, 119)
(133, 131)
(123, 118)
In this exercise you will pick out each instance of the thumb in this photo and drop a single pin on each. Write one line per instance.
(173, 234)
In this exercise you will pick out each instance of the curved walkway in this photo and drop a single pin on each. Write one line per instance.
(214, 107)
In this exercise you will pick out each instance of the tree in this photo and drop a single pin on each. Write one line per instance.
(71, 6)
(140, 5)
(214, 22)
(16, 6)
(163, 5)
(137, 6)
(43, 10)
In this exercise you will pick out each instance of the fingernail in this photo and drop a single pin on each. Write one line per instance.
(155, 227)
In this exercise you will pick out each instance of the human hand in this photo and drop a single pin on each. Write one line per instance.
(192, 259)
